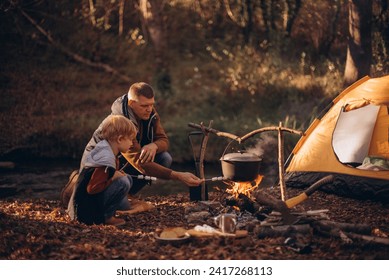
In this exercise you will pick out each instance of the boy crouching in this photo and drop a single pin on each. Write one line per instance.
(101, 189)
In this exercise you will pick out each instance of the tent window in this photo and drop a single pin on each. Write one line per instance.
(352, 134)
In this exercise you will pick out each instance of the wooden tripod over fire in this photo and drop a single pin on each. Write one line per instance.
(280, 129)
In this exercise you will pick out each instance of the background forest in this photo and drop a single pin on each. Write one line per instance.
(244, 64)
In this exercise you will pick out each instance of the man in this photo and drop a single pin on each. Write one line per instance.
(149, 155)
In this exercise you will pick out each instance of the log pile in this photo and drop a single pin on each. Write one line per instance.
(267, 222)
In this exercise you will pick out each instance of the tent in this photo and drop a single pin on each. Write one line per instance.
(350, 141)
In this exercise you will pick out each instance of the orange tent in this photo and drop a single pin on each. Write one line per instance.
(350, 141)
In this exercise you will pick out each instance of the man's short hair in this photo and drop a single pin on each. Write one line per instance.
(115, 125)
(139, 89)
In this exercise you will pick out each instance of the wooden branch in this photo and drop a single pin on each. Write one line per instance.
(369, 239)
(327, 225)
(248, 135)
(92, 12)
(285, 230)
(270, 128)
(201, 159)
(76, 57)
(231, 14)
(281, 162)
(214, 131)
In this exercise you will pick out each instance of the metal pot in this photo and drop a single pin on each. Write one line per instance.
(241, 166)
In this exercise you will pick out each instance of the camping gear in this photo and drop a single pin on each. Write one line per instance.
(355, 127)
(173, 239)
(207, 231)
(226, 222)
(291, 202)
(241, 166)
(277, 205)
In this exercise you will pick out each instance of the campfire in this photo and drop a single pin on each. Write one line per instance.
(245, 188)
(262, 213)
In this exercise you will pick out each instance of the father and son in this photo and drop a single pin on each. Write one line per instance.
(129, 142)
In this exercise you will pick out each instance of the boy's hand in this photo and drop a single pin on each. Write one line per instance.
(118, 174)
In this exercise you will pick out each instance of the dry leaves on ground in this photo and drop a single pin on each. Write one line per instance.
(40, 229)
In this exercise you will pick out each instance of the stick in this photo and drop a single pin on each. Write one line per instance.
(270, 128)
(202, 156)
(214, 131)
(347, 227)
(369, 239)
(248, 135)
(281, 162)
(286, 230)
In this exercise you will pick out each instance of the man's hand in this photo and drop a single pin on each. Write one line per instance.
(187, 178)
(148, 153)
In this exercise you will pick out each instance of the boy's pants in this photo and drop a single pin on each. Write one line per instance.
(115, 196)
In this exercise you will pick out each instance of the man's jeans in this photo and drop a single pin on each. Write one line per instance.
(164, 159)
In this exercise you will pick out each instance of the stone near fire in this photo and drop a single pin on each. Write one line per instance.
(198, 217)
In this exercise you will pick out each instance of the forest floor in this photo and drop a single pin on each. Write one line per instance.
(36, 228)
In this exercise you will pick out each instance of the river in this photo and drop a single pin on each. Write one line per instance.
(45, 178)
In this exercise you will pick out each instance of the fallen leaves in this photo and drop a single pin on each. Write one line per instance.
(41, 229)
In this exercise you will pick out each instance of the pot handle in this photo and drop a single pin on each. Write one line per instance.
(227, 147)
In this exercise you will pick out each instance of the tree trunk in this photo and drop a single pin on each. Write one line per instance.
(265, 16)
(247, 29)
(121, 17)
(292, 11)
(151, 11)
(359, 42)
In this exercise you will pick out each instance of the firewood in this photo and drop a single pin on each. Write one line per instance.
(326, 225)
(369, 239)
(284, 230)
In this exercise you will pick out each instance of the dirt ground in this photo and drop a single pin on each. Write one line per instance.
(33, 228)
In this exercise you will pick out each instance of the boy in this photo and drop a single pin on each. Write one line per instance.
(101, 189)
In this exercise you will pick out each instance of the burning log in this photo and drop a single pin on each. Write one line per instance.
(245, 188)
(243, 202)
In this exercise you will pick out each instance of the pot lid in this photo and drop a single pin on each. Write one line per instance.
(241, 156)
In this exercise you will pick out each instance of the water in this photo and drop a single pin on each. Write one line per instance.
(45, 179)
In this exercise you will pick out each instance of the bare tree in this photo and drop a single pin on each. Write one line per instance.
(359, 42)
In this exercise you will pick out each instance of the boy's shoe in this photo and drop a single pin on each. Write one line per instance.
(113, 221)
(139, 206)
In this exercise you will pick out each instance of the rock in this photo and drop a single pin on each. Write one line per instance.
(198, 217)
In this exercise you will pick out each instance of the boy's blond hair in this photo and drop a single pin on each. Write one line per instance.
(115, 125)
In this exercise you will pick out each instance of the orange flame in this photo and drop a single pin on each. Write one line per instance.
(245, 188)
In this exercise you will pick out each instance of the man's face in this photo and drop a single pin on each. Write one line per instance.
(143, 107)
